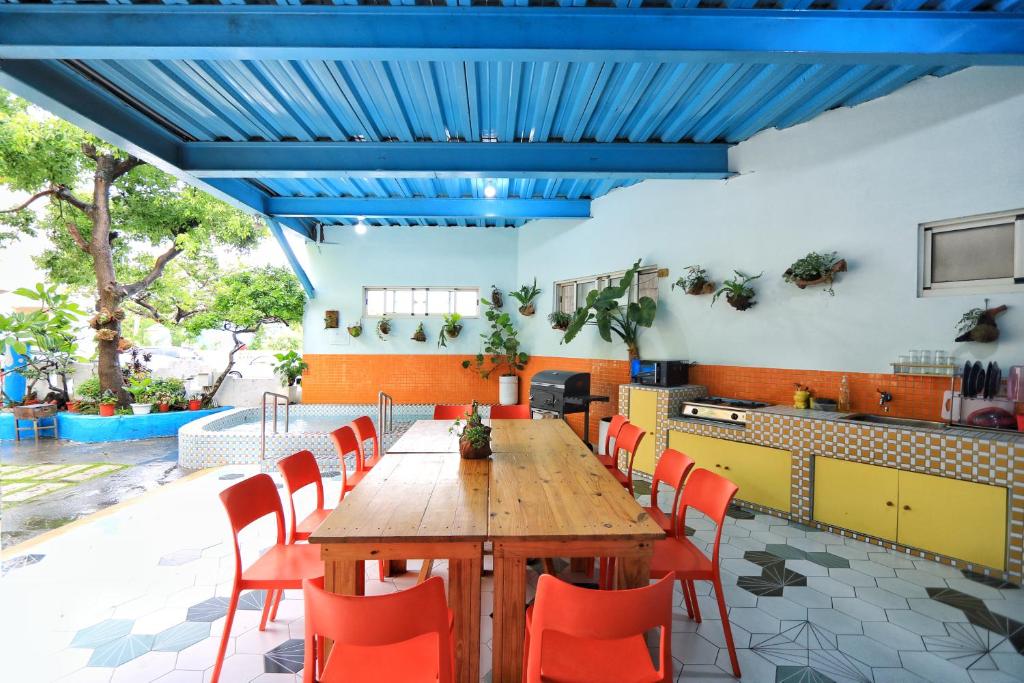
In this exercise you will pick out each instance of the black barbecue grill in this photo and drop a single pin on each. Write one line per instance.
(563, 392)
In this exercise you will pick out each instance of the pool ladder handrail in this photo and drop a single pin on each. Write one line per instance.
(385, 412)
(263, 419)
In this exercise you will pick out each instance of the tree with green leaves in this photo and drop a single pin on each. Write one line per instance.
(134, 236)
(502, 349)
(243, 302)
(605, 309)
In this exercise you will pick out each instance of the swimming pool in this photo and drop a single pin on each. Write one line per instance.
(232, 437)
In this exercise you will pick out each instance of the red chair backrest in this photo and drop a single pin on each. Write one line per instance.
(672, 468)
(249, 500)
(711, 494)
(365, 430)
(613, 431)
(600, 615)
(298, 471)
(345, 442)
(368, 621)
(451, 412)
(628, 439)
(519, 411)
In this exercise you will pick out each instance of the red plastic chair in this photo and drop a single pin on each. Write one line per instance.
(679, 558)
(451, 412)
(298, 471)
(345, 442)
(283, 566)
(519, 411)
(628, 440)
(672, 469)
(578, 634)
(365, 431)
(612, 434)
(402, 637)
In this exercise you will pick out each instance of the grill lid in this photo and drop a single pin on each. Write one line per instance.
(559, 378)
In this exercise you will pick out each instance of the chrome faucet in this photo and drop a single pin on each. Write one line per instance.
(883, 398)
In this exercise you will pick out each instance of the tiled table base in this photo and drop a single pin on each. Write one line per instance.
(139, 595)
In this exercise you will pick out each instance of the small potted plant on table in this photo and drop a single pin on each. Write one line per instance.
(108, 403)
(475, 437)
(525, 296)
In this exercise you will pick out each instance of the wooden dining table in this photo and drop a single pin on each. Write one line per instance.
(541, 494)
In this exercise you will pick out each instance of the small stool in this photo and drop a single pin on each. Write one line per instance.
(35, 414)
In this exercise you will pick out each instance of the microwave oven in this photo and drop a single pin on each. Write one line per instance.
(660, 373)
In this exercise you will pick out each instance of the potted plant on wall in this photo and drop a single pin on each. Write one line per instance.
(525, 296)
(383, 328)
(108, 403)
(560, 320)
(474, 437)
(815, 269)
(141, 390)
(696, 281)
(497, 300)
(605, 310)
(502, 352)
(289, 368)
(355, 330)
(738, 291)
(420, 334)
(450, 329)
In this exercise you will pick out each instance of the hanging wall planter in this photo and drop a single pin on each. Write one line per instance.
(497, 300)
(330, 320)
(560, 320)
(979, 325)
(383, 328)
(450, 329)
(815, 269)
(419, 335)
(355, 330)
(695, 282)
(525, 296)
(738, 291)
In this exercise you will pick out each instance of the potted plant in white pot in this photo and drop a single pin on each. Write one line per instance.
(289, 368)
(141, 389)
(501, 353)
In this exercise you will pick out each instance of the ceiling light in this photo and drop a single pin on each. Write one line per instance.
(360, 228)
(490, 191)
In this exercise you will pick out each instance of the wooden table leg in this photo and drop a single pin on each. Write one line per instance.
(464, 601)
(633, 572)
(394, 567)
(509, 618)
(580, 565)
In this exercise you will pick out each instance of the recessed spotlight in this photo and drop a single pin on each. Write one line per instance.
(360, 228)
(490, 191)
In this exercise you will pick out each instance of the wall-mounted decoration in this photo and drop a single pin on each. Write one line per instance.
(738, 291)
(330, 320)
(696, 281)
(525, 296)
(420, 334)
(383, 328)
(979, 324)
(355, 330)
(560, 320)
(449, 329)
(815, 269)
(497, 300)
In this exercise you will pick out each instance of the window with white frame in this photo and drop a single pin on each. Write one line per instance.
(421, 301)
(970, 255)
(570, 294)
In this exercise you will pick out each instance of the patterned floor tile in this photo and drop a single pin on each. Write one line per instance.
(103, 632)
(800, 674)
(285, 658)
(893, 635)
(121, 650)
(177, 638)
(180, 557)
(21, 561)
(989, 581)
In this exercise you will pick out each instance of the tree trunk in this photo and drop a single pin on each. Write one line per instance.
(109, 295)
(231, 363)
(634, 350)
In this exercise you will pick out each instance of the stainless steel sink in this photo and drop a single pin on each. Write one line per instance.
(896, 421)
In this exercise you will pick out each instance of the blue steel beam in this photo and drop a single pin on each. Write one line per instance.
(282, 241)
(259, 32)
(454, 160)
(422, 207)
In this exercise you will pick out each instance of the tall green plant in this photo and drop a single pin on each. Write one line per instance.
(502, 350)
(604, 308)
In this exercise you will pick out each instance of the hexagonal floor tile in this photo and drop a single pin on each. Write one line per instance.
(103, 632)
(121, 650)
(180, 557)
(180, 636)
(285, 658)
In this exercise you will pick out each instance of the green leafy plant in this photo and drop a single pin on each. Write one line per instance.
(383, 328)
(497, 300)
(502, 349)
(738, 291)
(815, 269)
(355, 330)
(140, 388)
(107, 398)
(89, 389)
(604, 309)
(289, 367)
(450, 329)
(525, 296)
(420, 334)
(560, 320)
(474, 436)
(696, 281)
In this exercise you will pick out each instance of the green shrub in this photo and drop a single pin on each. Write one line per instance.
(90, 389)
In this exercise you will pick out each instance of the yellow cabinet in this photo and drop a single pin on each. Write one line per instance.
(643, 412)
(961, 519)
(856, 496)
(763, 474)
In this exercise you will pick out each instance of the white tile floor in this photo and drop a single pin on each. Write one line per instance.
(139, 595)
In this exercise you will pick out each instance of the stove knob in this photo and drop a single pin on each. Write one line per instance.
(693, 411)
(735, 416)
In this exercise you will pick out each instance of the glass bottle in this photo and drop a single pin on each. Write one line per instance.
(843, 402)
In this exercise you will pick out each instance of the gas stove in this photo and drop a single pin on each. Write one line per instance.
(720, 409)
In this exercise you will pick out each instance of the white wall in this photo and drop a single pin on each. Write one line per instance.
(463, 257)
(857, 181)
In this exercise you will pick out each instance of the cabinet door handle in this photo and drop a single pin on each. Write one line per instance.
(717, 465)
(889, 503)
(906, 507)
(726, 467)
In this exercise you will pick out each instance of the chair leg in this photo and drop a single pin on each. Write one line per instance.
(277, 603)
(268, 605)
(726, 628)
(229, 619)
(381, 570)
(693, 601)
(549, 566)
(686, 598)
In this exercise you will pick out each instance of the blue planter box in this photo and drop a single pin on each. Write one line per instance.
(93, 428)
